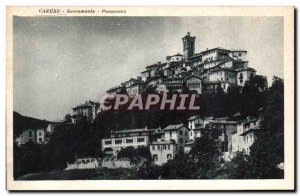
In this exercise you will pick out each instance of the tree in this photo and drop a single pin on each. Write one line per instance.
(266, 154)
(253, 96)
(181, 167)
(273, 116)
(268, 150)
(67, 118)
(206, 149)
(238, 168)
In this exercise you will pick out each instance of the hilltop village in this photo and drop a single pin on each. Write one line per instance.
(199, 73)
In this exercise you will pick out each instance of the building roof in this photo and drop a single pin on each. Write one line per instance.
(154, 65)
(250, 119)
(193, 117)
(250, 130)
(114, 88)
(218, 48)
(134, 130)
(145, 71)
(237, 114)
(223, 122)
(193, 76)
(173, 127)
(174, 55)
(237, 50)
(246, 69)
(86, 104)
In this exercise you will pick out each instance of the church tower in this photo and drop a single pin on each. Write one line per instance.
(188, 46)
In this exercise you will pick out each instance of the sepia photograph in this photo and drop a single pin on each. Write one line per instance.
(103, 96)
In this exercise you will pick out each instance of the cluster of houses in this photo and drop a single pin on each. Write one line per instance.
(165, 143)
(36, 136)
(197, 72)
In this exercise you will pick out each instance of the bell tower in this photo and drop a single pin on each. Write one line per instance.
(188, 46)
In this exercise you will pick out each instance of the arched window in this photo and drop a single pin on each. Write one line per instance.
(169, 156)
(155, 157)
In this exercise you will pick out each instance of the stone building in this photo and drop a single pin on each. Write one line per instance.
(168, 143)
(36, 136)
(116, 89)
(26, 136)
(88, 110)
(125, 138)
(40, 136)
(196, 124)
(246, 134)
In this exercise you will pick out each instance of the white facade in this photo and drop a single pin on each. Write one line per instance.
(40, 136)
(116, 144)
(237, 139)
(223, 75)
(245, 135)
(243, 76)
(163, 151)
(26, 136)
(194, 83)
(36, 136)
(171, 142)
(135, 89)
(239, 55)
(174, 58)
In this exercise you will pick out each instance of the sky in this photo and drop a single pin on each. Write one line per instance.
(60, 62)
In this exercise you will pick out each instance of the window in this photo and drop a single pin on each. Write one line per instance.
(140, 139)
(180, 132)
(180, 140)
(108, 142)
(170, 133)
(169, 146)
(191, 133)
(40, 133)
(169, 156)
(30, 134)
(155, 157)
(118, 141)
(153, 147)
(186, 133)
(158, 147)
(129, 140)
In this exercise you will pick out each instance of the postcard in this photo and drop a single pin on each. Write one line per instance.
(150, 98)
